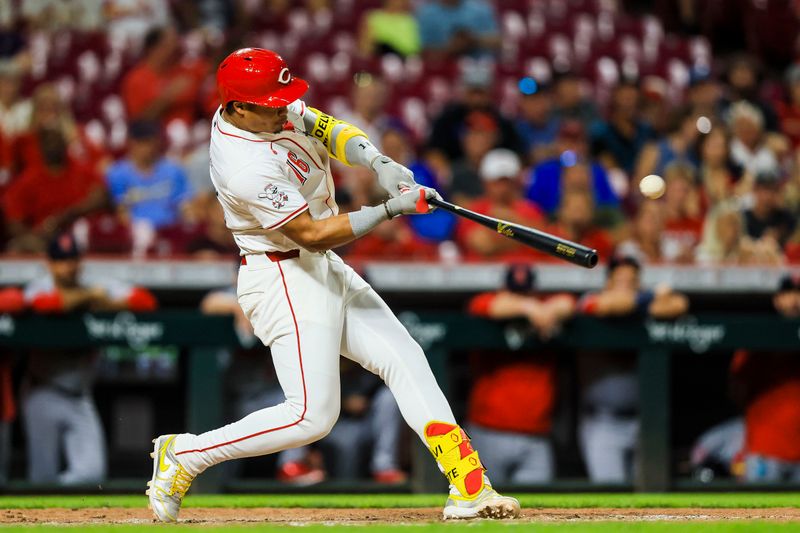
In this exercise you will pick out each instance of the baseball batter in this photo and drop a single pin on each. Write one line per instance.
(274, 182)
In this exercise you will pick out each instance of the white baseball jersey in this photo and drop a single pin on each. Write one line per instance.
(265, 180)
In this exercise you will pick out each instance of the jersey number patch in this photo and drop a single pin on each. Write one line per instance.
(298, 166)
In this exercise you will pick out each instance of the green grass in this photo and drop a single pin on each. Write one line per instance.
(478, 527)
(567, 501)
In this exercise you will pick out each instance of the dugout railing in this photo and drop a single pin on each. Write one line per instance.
(201, 337)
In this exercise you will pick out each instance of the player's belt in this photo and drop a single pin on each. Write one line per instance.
(272, 256)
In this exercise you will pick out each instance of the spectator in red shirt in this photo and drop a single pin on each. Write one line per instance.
(500, 172)
(575, 222)
(50, 113)
(393, 241)
(160, 86)
(768, 386)
(512, 399)
(47, 198)
(683, 224)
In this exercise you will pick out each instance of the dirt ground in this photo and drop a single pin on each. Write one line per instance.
(218, 516)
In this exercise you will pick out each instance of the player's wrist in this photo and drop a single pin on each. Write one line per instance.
(365, 219)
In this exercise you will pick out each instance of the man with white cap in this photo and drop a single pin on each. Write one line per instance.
(500, 171)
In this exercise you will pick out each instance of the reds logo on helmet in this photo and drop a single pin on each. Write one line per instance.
(258, 76)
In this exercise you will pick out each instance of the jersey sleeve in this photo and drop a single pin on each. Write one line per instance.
(269, 195)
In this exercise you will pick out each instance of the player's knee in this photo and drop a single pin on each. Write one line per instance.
(320, 420)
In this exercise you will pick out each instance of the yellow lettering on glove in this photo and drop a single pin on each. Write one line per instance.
(334, 142)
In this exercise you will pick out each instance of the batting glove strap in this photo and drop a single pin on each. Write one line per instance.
(458, 460)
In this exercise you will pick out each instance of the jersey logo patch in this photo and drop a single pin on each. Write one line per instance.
(274, 195)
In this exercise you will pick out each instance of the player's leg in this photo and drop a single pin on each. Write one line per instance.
(606, 442)
(499, 451)
(384, 427)
(375, 338)
(41, 414)
(84, 444)
(536, 463)
(299, 317)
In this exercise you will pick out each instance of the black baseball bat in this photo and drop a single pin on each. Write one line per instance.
(575, 253)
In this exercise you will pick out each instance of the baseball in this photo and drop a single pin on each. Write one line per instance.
(652, 186)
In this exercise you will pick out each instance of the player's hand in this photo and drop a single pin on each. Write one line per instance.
(393, 176)
(411, 202)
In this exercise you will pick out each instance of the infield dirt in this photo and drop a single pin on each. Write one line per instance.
(218, 516)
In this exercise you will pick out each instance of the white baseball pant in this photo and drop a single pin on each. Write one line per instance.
(309, 310)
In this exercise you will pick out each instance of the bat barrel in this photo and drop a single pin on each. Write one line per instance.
(572, 252)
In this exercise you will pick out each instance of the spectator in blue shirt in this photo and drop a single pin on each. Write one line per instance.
(537, 126)
(146, 186)
(570, 169)
(458, 27)
(617, 142)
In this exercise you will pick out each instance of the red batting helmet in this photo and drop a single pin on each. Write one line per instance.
(258, 76)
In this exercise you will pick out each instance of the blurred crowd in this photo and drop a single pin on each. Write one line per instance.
(545, 113)
(541, 112)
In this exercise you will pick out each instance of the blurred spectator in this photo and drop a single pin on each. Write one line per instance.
(52, 116)
(609, 426)
(15, 111)
(656, 111)
(475, 94)
(146, 186)
(478, 137)
(718, 451)
(767, 385)
(725, 241)
(368, 100)
(55, 189)
(789, 111)
(161, 87)
(59, 414)
(570, 170)
(743, 86)
(683, 221)
(617, 142)
(537, 125)
(704, 95)
(500, 172)
(575, 222)
(12, 301)
(439, 225)
(571, 102)
(392, 241)
(56, 15)
(751, 147)
(718, 172)
(767, 217)
(392, 29)
(458, 27)
(131, 20)
(677, 146)
(216, 239)
(647, 243)
(517, 440)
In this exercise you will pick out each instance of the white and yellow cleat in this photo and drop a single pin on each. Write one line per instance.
(487, 504)
(471, 494)
(170, 481)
